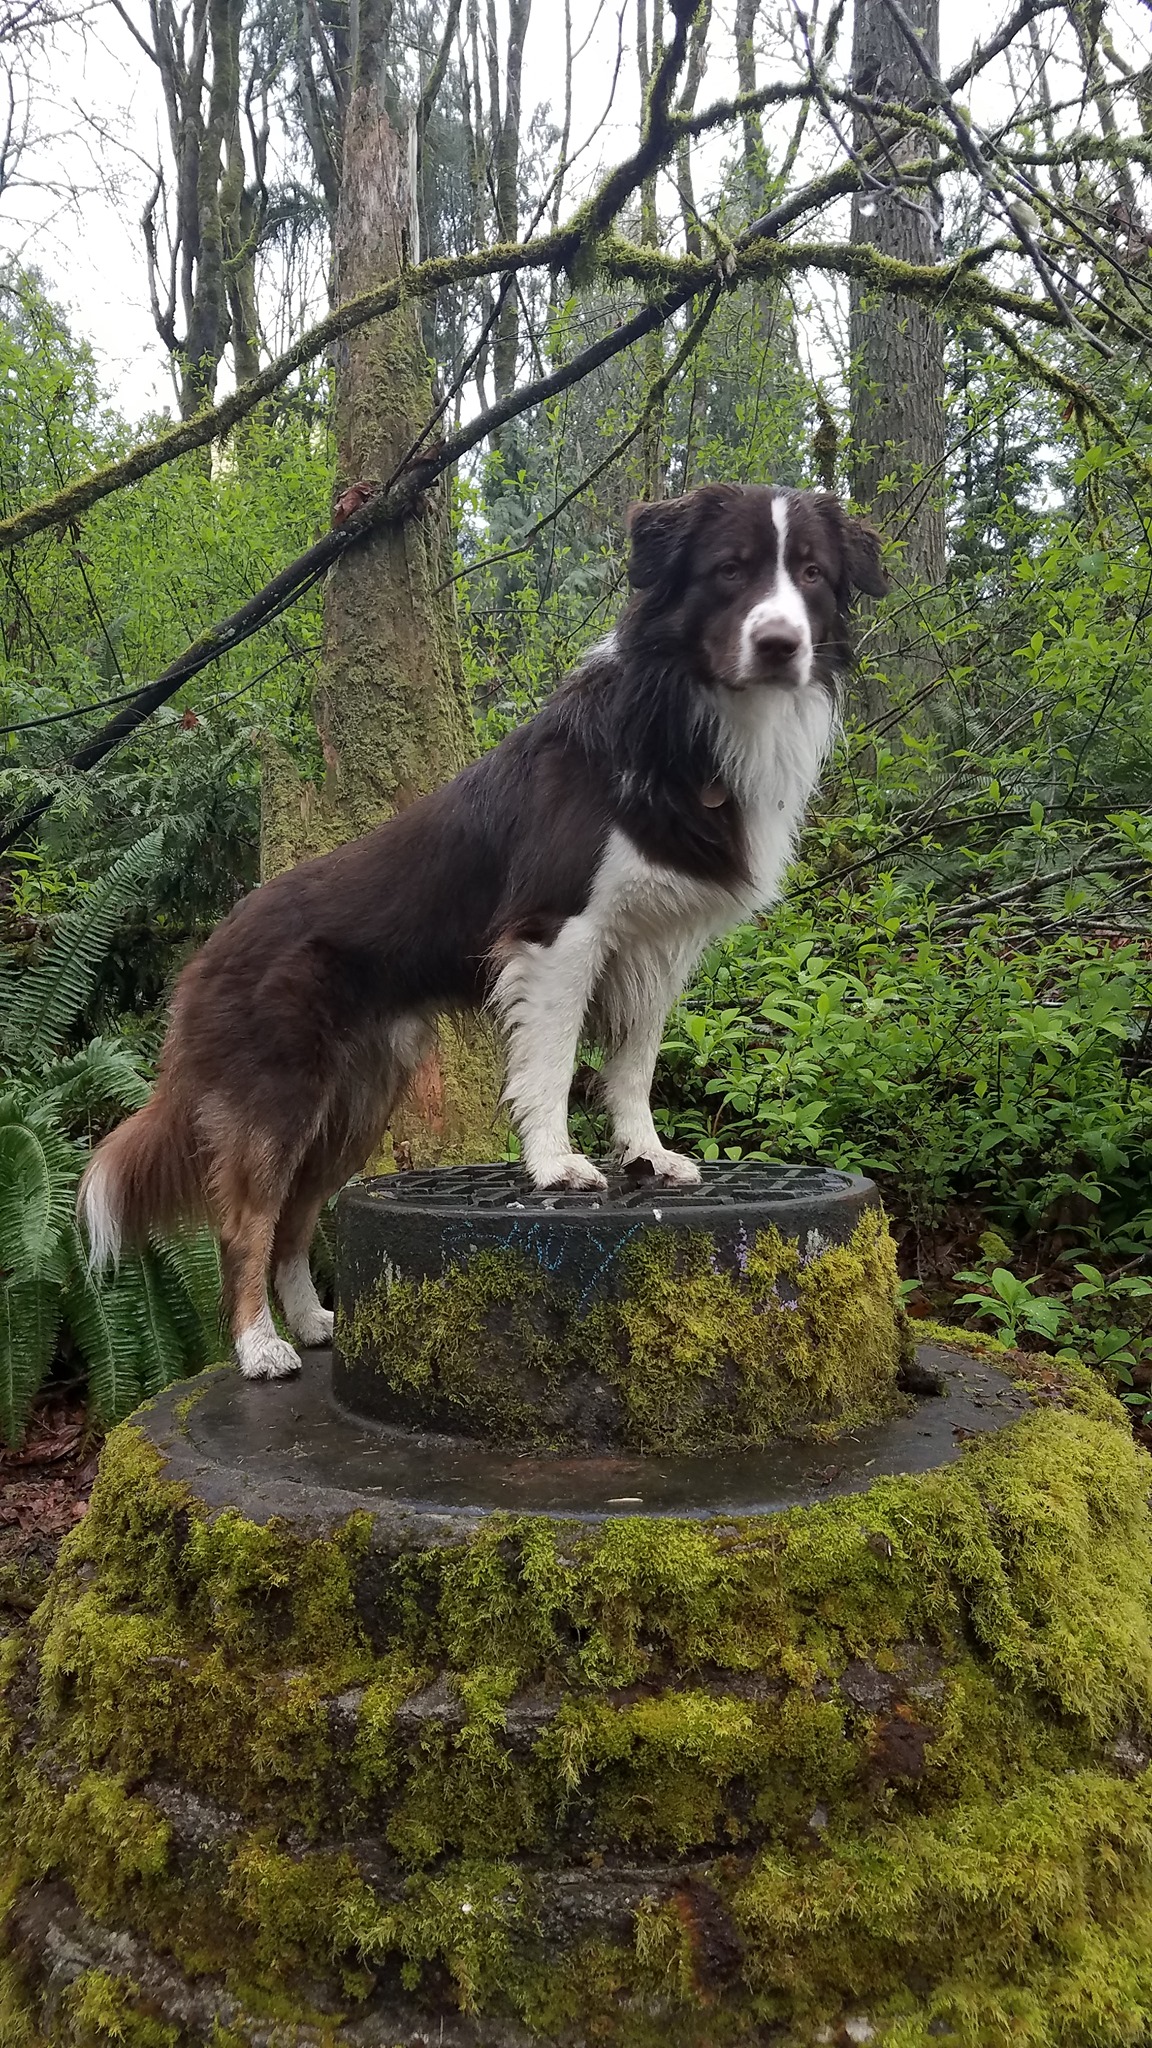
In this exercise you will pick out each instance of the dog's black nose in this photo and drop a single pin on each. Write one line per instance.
(774, 645)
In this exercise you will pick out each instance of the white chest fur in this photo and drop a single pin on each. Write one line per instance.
(774, 743)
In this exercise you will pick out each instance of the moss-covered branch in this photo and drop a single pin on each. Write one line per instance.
(619, 260)
(390, 506)
(670, 283)
(665, 130)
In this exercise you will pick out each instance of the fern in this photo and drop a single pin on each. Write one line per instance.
(38, 1171)
(190, 1268)
(53, 993)
(158, 1345)
(103, 1076)
(30, 1312)
(157, 1317)
(104, 1317)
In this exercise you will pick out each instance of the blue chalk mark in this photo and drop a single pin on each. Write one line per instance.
(539, 1242)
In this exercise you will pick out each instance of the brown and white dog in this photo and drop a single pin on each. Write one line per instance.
(570, 879)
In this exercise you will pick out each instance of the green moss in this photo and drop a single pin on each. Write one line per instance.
(1022, 1893)
(99, 2008)
(685, 1354)
(107, 1842)
(227, 1636)
(879, 1731)
(314, 1913)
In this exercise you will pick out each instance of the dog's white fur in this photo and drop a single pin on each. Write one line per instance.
(296, 1293)
(99, 1215)
(261, 1354)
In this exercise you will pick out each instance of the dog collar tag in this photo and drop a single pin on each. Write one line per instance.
(713, 795)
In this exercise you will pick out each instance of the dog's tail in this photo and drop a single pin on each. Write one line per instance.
(146, 1176)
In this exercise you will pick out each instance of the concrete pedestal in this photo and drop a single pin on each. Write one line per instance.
(334, 1731)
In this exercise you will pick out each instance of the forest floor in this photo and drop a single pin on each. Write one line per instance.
(44, 1489)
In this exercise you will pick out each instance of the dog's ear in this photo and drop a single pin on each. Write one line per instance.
(659, 534)
(860, 548)
(862, 554)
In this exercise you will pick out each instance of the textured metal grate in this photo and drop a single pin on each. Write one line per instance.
(506, 1187)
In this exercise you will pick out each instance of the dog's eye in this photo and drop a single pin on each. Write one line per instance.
(811, 573)
(729, 572)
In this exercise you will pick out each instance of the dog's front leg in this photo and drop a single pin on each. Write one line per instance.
(542, 993)
(637, 997)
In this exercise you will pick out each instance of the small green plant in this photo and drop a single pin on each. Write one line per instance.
(1010, 1304)
(1116, 1349)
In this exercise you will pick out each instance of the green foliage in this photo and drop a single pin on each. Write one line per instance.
(953, 1068)
(96, 611)
(53, 991)
(151, 1320)
(132, 1331)
(1011, 1305)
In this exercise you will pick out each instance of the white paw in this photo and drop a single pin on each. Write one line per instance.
(312, 1326)
(261, 1355)
(308, 1322)
(670, 1167)
(569, 1170)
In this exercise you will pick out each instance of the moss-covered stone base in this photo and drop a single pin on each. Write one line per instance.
(684, 1354)
(877, 1764)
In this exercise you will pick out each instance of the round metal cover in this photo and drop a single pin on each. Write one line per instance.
(724, 1185)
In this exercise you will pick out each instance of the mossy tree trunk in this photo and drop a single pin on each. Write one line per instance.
(390, 706)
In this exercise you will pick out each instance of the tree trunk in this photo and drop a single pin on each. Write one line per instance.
(652, 454)
(755, 162)
(897, 346)
(506, 170)
(390, 708)
(697, 51)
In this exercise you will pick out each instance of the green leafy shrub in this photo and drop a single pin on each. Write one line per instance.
(950, 1066)
(155, 1317)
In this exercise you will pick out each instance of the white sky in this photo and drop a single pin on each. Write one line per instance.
(95, 118)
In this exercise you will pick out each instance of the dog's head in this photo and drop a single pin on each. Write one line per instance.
(755, 584)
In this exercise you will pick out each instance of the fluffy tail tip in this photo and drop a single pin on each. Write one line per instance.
(99, 1217)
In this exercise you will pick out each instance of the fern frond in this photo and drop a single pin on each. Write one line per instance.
(103, 1076)
(53, 992)
(29, 1321)
(163, 1352)
(104, 1315)
(39, 1170)
(191, 1266)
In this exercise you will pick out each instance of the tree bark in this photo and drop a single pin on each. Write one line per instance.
(390, 708)
(652, 458)
(897, 346)
(697, 51)
(506, 176)
(753, 136)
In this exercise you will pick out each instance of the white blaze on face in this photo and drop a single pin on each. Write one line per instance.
(782, 611)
